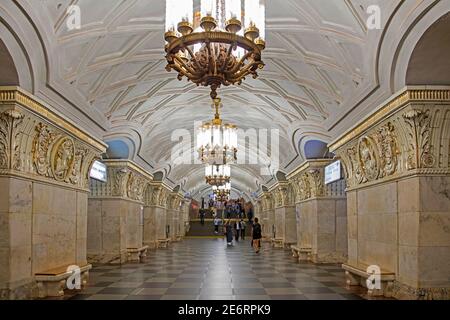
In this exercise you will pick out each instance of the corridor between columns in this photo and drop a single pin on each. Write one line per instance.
(207, 269)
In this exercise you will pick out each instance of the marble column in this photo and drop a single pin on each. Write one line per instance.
(284, 214)
(267, 216)
(184, 217)
(155, 213)
(320, 213)
(397, 168)
(116, 213)
(44, 166)
(173, 215)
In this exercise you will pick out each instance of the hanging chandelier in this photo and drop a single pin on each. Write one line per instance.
(222, 191)
(217, 142)
(217, 175)
(219, 45)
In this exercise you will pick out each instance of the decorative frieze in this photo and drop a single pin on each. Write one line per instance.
(267, 201)
(125, 180)
(38, 144)
(282, 194)
(412, 138)
(157, 194)
(307, 182)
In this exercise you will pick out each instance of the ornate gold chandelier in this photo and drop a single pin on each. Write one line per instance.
(222, 191)
(218, 175)
(217, 142)
(214, 50)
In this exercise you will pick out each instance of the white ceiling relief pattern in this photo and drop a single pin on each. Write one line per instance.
(318, 61)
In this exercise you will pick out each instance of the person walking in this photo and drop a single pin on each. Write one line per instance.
(216, 225)
(243, 227)
(229, 233)
(257, 236)
(202, 217)
(237, 229)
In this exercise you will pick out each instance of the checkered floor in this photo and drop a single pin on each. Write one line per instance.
(206, 269)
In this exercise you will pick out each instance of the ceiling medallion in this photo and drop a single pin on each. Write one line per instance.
(218, 175)
(213, 51)
(217, 142)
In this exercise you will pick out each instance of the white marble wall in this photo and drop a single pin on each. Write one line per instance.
(113, 226)
(322, 226)
(161, 223)
(285, 224)
(42, 227)
(149, 235)
(402, 226)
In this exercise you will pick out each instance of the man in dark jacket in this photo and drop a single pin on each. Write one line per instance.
(257, 236)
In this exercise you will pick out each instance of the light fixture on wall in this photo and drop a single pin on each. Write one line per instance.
(217, 175)
(209, 47)
(216, 141)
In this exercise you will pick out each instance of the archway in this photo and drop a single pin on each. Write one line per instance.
(9, 75)
(429, 63)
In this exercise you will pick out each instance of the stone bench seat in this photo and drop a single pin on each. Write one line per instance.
(302, 253)
(137, 254)
(163, 243)
(53, 282)
(277, 242)
(357, 275)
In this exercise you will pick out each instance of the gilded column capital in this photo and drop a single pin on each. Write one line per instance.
(125, 180)
(407, 136)
(37, 144)
(158, 194)
(308, 181)
(282, 194)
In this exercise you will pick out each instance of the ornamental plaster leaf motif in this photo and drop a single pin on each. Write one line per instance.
(387, 142)
(10, 122)
(419, 125)
(43, 140)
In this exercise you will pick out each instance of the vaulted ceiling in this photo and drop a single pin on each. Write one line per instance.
(320, 60)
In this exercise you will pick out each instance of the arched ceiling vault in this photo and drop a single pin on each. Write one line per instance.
(321, 62)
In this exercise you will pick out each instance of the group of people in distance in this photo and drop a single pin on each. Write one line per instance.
(238, 229)
(234, 227)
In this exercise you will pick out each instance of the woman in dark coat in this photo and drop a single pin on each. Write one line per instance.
(229, 233)
(257, 236)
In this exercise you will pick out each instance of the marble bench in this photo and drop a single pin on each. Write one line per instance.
(137, 254)
(52, 283)
(277, 242)
(302, 253)
(163, 243)
(358, 276)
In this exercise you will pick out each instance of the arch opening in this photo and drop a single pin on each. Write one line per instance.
(429, 63)
(9, 75)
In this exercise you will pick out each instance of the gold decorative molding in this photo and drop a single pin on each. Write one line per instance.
(16, 96)
(158, 194)
(395, 104)
(34, 147)
(412, 138)
(126, 180)
(282, 194)
(174, 201)
(308, 182)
